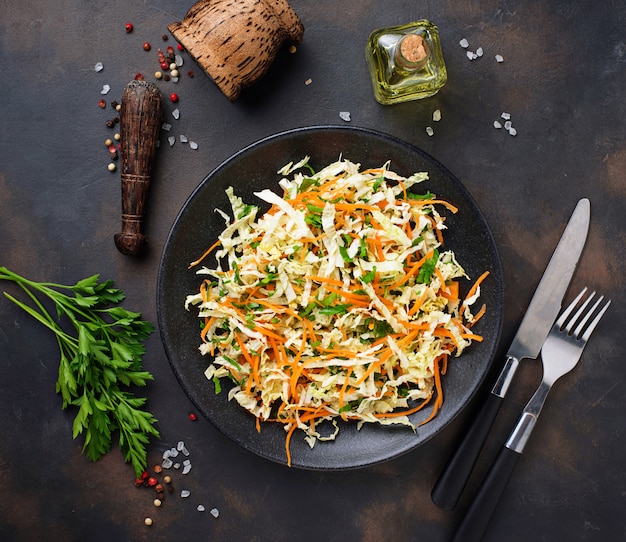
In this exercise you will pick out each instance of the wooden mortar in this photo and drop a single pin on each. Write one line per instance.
(235, 41)
(140, 121)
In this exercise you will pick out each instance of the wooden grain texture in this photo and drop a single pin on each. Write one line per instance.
(140, 119)
(235, 42)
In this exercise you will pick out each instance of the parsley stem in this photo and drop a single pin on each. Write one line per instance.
(103, 357)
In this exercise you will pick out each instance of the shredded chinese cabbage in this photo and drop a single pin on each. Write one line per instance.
(339, 302)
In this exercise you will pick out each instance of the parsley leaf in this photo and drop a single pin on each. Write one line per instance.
(101, 357)
(428, 268)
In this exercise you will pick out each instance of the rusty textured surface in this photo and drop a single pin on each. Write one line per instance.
(562, 80)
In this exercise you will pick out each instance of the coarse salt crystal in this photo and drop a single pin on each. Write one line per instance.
(308, 81)
(471, 55)
(98, 67)
(506, 116)
(201, 508)
(512, 131)
(105, 89)
(193, 145)
(186, 462)
(479, 51)
(180, 445)
(499, 58)
(215, 512)
(429, 131)
(179, 60)
(167, 463)
(185, 493)
(183, 138)
(166, 454)
(167, 127)
(177, 466)
(508, 124)
(173, 452)
(496, 124)
(174, 79)
(186, 469)
(345, 115)
(171, 140)
(464, 43)
(176, 113)
(436, 115)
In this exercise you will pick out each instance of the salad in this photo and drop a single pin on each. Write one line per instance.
(338, 303)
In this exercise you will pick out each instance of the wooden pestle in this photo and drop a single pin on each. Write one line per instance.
(140, 121)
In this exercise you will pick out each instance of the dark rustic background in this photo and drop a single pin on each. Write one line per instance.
(563, 83)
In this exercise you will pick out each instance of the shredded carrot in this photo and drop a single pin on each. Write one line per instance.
(413, 271)
(418, 303)
(207, 327)
(439, 391)
(397, 413)
(476, 284)
(422, 202)
(293, 427)
(479, 315)
(209, 250)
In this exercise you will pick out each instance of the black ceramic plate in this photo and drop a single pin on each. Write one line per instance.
(197, 227)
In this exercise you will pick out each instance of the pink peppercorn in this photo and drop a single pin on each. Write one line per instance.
(174, 97)
(129, 28)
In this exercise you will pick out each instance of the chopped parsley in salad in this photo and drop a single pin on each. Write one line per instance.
(339, 302)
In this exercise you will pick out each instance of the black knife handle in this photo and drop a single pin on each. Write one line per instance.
(456, 473)
(476, 519)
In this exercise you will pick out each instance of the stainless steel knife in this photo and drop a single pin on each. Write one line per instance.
(540, 315)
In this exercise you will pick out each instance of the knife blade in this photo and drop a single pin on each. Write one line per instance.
(532, 332)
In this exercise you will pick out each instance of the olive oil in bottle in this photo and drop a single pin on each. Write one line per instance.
(406, 62)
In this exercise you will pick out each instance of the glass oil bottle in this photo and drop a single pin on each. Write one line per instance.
(406, 62)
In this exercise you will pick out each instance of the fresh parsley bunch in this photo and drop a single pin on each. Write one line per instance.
(100, 356)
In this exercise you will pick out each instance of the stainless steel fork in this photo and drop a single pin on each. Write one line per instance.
(560, 354)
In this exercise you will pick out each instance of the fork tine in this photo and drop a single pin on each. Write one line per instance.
(572, 321)
(595, 321)
(565, 314)
(589, 314)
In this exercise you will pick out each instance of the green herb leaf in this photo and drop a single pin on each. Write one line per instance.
(307, 182)
(369, 276)
(104, 352)
(337, 309)
(344, 254)
(382, 329)
(427, 195)
(247, 209)
(362, 249)
(314, 208)
(428, 268)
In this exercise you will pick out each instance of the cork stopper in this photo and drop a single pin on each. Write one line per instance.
(411, 52)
